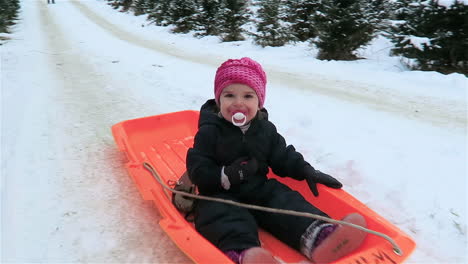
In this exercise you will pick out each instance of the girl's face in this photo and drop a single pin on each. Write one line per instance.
(238, 98)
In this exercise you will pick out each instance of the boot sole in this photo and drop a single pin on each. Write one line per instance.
(344, 240)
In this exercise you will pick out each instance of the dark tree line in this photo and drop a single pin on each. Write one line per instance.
(430, 35)
(433, 36)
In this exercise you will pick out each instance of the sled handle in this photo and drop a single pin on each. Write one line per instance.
(396, 249)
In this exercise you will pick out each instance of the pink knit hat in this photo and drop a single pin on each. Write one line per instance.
(243, 71)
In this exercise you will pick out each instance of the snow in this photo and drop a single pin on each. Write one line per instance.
(397, 139)
(419, 42)
(448, 3)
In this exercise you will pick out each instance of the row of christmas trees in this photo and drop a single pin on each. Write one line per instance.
(430, 35)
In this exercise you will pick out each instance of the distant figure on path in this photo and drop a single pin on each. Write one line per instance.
(50, 1)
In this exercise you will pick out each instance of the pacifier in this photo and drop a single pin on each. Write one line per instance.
(239, 119)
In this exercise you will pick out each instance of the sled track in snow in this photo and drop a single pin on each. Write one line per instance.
(439, 112)
(89, 173)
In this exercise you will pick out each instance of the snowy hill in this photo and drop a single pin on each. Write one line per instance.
(396, 139)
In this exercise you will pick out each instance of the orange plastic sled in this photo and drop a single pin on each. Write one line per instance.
(163, 141)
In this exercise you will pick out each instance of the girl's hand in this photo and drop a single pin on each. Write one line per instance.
(315, 176)
(240, 170)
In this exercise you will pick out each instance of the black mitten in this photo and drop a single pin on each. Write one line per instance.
(313, 177)
(240, 170)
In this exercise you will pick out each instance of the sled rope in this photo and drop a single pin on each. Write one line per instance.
(396, 249)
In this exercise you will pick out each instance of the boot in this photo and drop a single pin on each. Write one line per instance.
(339, 241)
(257, 255)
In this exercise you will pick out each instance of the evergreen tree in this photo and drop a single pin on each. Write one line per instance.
(271, 31)
(159, 14)
(124, 4)
(233, 15)
(300, 15)
(182, 15)
(435, 37)
(207, 17)
(399, 9)
(140, 7)
(8, 14)
(150, 5)
(376, 12)
(114, 3)
(410, 31)
(342, 29)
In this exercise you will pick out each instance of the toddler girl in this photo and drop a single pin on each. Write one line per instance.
(233, 150)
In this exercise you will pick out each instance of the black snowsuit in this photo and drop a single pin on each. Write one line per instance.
(218, 143)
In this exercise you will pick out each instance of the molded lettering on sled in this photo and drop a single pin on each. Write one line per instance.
(163, 141)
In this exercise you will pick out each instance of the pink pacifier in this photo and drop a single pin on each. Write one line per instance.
(239, 119)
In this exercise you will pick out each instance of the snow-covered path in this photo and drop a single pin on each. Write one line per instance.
(71, 74)
(71, 201)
